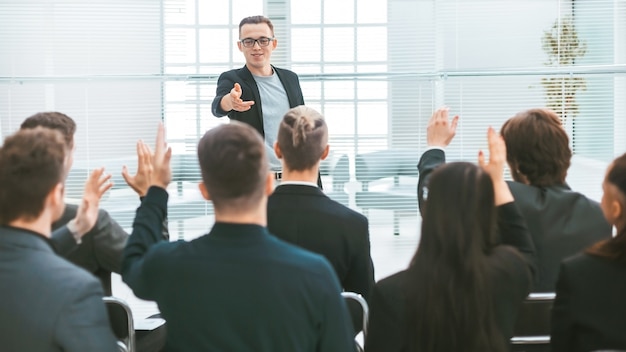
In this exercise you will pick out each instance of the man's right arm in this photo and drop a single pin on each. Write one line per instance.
(224, 85)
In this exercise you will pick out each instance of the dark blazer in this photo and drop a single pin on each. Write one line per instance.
(101, 247)
(100, 251)
(509, 271)
(303, 215)
(250, 91)
(236, 289)
(561, 222)
(48, 304)
(588, 313)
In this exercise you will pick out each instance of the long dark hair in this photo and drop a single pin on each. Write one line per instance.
(449, 295)
(615, 248)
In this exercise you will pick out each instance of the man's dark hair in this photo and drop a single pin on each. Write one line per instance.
(256, 20)
(234, 165)
(537, 147)
(302, 138)
(32, 163)
(53, 120)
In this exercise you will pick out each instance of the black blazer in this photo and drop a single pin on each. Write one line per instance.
(250, 91)
(303, 215)
(561, 222)
(589, 312)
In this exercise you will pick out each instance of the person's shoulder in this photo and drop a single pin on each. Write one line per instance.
(168, 249)
(343, 211)
(54, 270)
(296, 257)
(582, 261)
(394, 282)
(285, 72)
(235, 72)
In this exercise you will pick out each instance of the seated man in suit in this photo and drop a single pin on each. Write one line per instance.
(92, 239)
(48, 304)
(96, 245)
(561, 222)
(300, 213)
(237, 288)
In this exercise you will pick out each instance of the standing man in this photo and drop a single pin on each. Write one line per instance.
(237, 288)
(48, 304)
(258, 94)
(300, 213)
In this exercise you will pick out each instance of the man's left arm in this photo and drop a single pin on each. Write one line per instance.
(146, 233)
(149, 218)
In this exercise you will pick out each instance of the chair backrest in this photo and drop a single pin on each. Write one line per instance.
(351, 296)
(121, 320)
(533, 321)
(385, 163)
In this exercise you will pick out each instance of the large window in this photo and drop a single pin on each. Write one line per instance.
(376, 70)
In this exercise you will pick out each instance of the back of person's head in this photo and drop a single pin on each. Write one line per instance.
(256, 20)
(537, 147)
(449, 294)
(53, 120)
(234, 166)
(302, 138)
(613, 206)
(32, 163)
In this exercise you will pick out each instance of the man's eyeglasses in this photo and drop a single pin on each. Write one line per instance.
(249, 42)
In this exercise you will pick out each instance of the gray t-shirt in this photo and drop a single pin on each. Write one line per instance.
(275, 105)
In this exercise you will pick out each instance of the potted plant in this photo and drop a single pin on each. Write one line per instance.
(563, 47)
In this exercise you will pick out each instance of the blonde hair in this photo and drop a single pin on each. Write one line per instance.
(302, 137)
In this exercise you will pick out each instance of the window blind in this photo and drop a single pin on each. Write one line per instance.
(376, 70)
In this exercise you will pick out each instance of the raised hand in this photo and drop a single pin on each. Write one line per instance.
(162, 171)
(441, 130)
(141, 181)
(495, 166)
(235, 100)
(95, 187)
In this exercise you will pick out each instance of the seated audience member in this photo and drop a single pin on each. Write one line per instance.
(102, 240)
(238, 288)
(561, 222)
(463, 287)
(588, 313)
(96, 243)
(47, 304)
(300, 213)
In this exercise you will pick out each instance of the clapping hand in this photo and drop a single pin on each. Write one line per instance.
(141, 181)
(162, 171)
(495, 166)
(95, 187)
